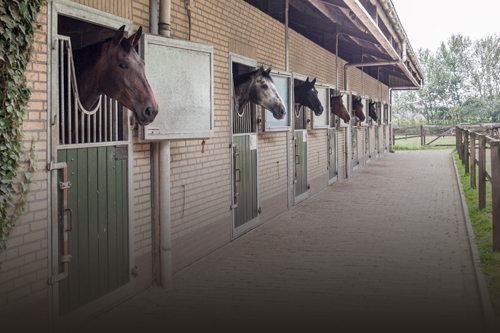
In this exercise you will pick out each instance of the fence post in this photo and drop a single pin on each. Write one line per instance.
(482, 171)
(466, 151)
(495, 193)
(421, 135)
(472, 159)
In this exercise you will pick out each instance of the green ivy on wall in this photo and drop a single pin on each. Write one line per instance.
(17, 26)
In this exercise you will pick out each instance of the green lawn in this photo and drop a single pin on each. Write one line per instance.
(483, 230)
(414, 143)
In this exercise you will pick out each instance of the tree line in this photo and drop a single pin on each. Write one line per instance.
(462, 83)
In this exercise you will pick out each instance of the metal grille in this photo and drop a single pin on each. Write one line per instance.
(300, 117)
(245, 122)
(75, 127)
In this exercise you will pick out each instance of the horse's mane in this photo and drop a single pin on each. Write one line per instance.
(87, 56)
(242, 78)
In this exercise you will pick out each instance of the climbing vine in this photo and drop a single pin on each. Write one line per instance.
(17, 26)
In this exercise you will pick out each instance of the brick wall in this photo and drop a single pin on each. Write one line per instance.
(24, 266)
(200, 182)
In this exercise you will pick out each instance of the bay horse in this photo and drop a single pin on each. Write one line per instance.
(372, 112)
(337, 107)
(307, 95)
(113, 67)
(357, 106)
(258, 87)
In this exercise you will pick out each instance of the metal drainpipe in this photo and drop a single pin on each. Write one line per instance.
(165, 17)
(165, 220)
(153, 17)
(288, 172)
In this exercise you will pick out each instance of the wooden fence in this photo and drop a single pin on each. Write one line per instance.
(421, 132)
(468, 150)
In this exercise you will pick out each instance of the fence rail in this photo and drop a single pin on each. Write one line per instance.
(466, 148)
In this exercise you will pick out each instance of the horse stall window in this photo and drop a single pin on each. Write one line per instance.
(322, 121)
(181, 76)
(378, 106)
(346, 100)
(108, 123)
(283, 82)
(299, 111)
(247, 120)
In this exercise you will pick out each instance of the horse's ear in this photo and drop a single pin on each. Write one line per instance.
(134, 39)
(313, 81)
(307, 80)
(268, 70)
(119, 36)
(260, 70)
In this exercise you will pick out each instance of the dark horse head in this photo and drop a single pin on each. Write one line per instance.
(357, 106)
(372, 112)
(306, 94)
(113, 67)
(258, 87)
(337, 107)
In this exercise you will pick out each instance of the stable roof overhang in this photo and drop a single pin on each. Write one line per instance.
(369, 32)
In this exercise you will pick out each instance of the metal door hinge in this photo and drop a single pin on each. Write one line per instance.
(135, 271)
(64, 185)
(55, 166)
(66, 258)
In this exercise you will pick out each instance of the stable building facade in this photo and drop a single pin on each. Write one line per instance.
(146, 201)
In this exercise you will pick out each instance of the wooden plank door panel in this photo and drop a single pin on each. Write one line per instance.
(98, 243)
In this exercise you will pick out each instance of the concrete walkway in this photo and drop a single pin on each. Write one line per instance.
(386, 251)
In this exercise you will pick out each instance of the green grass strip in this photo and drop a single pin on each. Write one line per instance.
(483, 229)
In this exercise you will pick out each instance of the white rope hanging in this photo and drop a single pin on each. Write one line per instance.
(74, 86)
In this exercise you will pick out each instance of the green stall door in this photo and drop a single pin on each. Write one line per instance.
(355, 158)
(332, 154)
(300, 160)
(245, 180)
(98, 241)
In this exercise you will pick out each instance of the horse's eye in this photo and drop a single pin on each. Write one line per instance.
(123, 65)
(265, 86)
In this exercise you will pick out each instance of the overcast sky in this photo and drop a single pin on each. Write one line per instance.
(429, 22)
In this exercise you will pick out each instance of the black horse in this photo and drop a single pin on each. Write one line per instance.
(307, 95)
(372, 111)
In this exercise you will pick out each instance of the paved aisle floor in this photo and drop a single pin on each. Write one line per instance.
(384, 251)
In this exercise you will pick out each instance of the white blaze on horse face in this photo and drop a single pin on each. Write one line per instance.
(269, 98)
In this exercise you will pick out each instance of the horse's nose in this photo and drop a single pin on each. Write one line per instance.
(321, 108)
(282, 112)
(150, 113)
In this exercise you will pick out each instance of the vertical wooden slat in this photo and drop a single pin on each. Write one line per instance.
(482, 171)
(73, 241)
(112, 257)
(466, 151)
(119, 221)
(495, 193)
(82, 226)
(93, 211)
(473, 159)
(103, 218)
(125, 246)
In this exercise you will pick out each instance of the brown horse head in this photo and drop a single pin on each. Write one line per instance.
(337, 107)
(258, 87)
(372, 112)
(114, 68)
(306, 94)
(357, 107)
